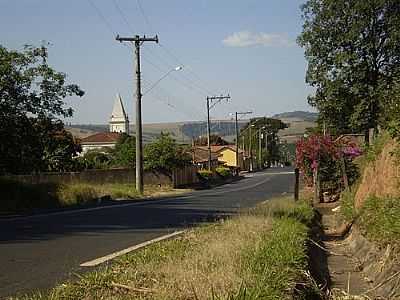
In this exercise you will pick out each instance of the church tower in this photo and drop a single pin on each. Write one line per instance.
(119, 120)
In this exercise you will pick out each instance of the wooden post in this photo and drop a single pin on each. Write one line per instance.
(316, 187)
(344, 174)
(296, 184)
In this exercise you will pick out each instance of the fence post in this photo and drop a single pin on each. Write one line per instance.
(296, 184)
(316, 186)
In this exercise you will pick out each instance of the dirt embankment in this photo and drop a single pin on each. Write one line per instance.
(380, 177)
(360, 267)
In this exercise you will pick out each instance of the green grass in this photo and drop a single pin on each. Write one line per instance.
(260, 254)
(347, 208)
(379, 219)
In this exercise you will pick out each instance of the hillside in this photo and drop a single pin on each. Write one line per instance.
(297, 115)
(183, 132)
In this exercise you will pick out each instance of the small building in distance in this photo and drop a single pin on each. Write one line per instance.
(119, 124)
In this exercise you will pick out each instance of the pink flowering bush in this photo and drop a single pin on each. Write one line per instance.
(318, 151)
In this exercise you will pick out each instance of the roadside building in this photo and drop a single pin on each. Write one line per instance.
(200, 158)
(226, 155)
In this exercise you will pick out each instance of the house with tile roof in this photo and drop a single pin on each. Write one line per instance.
(225, 154)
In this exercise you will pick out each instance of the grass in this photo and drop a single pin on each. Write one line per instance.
(379, 220)
(25, 197)
(260, 254)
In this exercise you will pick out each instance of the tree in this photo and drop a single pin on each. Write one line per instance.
(164, 154)
(31, 99)
(124, 152)
(97, 159)
(214, 140)
(353, 53)
(270, 128)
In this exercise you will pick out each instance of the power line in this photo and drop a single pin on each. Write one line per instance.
(99, 13)
(144, 16)
(123, 16)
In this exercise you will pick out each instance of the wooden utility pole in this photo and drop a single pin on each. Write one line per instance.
(138, 126)
(250, 149)
(237, 135)
(296, 184)
(210, 100)
(260, 148)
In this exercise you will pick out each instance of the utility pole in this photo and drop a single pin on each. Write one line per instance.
(210, 100)
(138, 126)
(237, 135)
(250, 149)
(260, 149)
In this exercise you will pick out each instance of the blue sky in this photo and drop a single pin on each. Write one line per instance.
(245, 48)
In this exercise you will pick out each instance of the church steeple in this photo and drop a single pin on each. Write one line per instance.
(119, 121)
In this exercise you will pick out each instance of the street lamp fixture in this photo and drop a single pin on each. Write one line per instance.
(178, 68)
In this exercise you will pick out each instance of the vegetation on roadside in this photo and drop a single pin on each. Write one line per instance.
(378, 216)
(205, 174)
(26, 197)
(32, 93)
(223, 171)
(260, 254)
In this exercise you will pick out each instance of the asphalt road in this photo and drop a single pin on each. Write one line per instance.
(40, 251)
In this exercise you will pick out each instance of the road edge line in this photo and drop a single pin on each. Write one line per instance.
(103, 259)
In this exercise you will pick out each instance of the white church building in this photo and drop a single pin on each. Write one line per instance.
(118, 124)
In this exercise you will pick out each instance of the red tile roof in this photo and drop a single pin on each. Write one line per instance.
(102, 137)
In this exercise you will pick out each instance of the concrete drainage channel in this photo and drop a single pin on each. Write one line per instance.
(350, 266)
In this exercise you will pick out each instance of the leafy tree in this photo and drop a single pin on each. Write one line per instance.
(270, 128)
(58, 146)
(214, 140)
(31, 98)
(353, 53)
(164, 154)
(97, 159)
(124, 152)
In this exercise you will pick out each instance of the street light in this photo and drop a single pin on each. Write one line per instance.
(178, 68)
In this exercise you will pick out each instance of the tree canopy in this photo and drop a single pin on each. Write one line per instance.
(31, 101)
(164, 154)
(353, 53)
(214, 140)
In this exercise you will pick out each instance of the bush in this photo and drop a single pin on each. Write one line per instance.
(322, 153)
(223, 171)
(77, 194)
(205, 174)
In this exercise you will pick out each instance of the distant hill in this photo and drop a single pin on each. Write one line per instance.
(300, 115)
(183, 132)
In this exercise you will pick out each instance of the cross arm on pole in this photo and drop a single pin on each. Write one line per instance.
(137, 38)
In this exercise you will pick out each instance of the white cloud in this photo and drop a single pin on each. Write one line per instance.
(250, 39)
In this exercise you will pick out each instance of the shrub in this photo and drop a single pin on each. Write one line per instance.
(77, 194)
(223, 171)
(205, 174)
(322, 153)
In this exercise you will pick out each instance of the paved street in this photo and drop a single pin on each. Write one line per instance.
(39, 251)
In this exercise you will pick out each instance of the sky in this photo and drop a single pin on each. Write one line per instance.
(246, 49)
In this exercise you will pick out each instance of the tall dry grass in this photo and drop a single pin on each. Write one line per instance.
(260, 254)
(380, 177)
